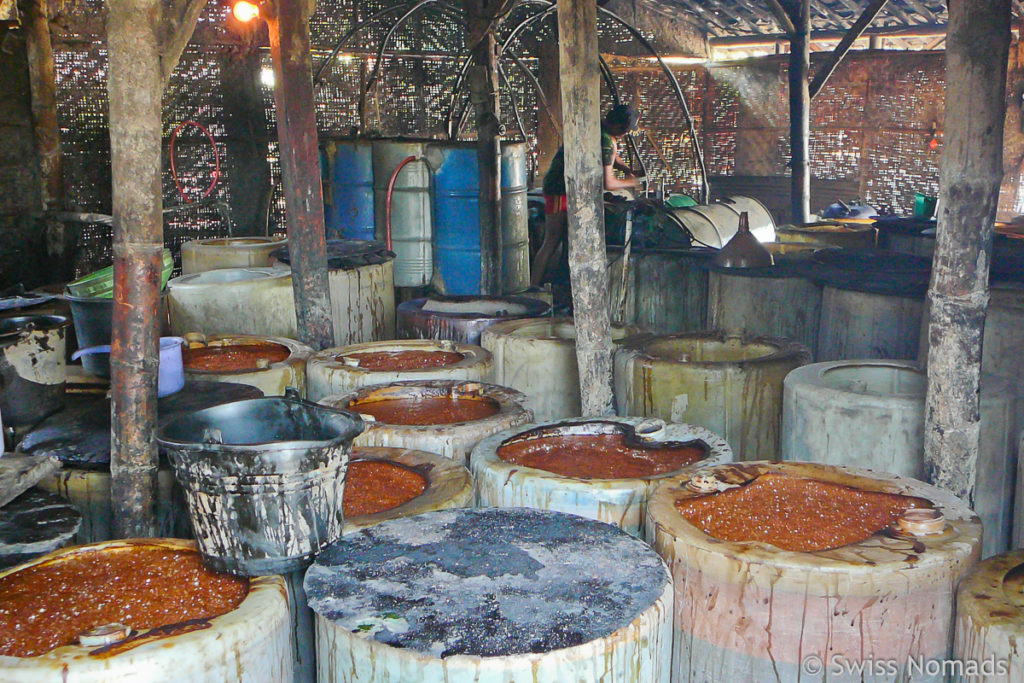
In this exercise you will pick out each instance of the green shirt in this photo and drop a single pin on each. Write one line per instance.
(554, 179)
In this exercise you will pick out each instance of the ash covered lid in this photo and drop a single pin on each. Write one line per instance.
(486, 582)
(345, 253)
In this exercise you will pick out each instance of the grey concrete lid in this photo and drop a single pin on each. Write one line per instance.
(488, 582)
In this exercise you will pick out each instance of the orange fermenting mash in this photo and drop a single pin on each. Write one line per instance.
(48, 605)
(427, 410)
(793, 513)
(598, 456)
(233, 357)
(404, 360)
(373, 486)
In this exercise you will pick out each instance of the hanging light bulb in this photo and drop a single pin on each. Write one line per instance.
(933, 140)
(245, 11)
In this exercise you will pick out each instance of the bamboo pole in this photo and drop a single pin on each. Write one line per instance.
(584, 184)
(134, 88)
(972, 169)
(800, 112)
(300, 170)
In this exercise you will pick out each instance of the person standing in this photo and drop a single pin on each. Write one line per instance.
(619, 120)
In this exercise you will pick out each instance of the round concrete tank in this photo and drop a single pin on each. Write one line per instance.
(784, 569)
(727, 383)
(198, 256)
(448, 417)
(344, 369)
(233, 301)
(990, 620)
(271, 364)
(537, 356)
(870, 414)
(604, 469)
(664, 291)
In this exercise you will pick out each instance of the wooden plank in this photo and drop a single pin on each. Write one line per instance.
(584, 183)
(972, 169)
(19, 473)
(300, 171)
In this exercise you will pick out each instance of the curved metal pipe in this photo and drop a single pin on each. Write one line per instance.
(698, 152)
(372, 79)
(373, 18)
(512, 99)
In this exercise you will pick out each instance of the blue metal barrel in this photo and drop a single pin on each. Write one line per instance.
(457, 217)
(349, 209)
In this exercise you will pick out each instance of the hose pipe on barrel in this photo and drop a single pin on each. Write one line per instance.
(391, 188)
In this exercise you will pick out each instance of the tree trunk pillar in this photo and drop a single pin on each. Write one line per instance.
(584, 184)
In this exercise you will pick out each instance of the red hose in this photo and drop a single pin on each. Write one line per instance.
(216, 159)
(387, 200)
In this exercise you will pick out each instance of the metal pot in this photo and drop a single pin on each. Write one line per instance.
(32, 368)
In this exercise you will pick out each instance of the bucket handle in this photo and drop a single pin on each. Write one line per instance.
(92, 350)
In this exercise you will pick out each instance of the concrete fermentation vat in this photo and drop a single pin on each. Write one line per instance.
(360, 277)
(412, 226)
(79, 436)
(664, 290)
(787, 571)
(462, 318)
(728, 383)
(871, 304)
(537, 356)
(779, 301)
(271, 364)
(233, 301)
(448, 417)
(870, 414)
(215, 253)
(497, 595)
(388, 483)
(344, 369)
(603, 469)
(35, 523)
(142, 610)
(990, 621)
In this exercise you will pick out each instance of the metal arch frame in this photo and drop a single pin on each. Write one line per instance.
(551, 7)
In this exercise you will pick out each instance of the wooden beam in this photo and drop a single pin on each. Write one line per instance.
(177, 30)
(584, 183)
(134, 88)
(919, 31)
(782, 17)
(482, 16)
(855, 32)
(972, 169)
(300, 171)
(800, 113)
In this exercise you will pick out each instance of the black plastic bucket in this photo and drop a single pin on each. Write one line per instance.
(264, 480)
(92, 317)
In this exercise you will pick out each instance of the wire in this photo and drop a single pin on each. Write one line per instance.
(216, 159)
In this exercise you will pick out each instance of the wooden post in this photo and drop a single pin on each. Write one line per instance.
(47, 133)
(584, 184)
(484, 95)
(245, 123)
(300, 170)
(800, 111)
(976, 62)
(134, 87)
